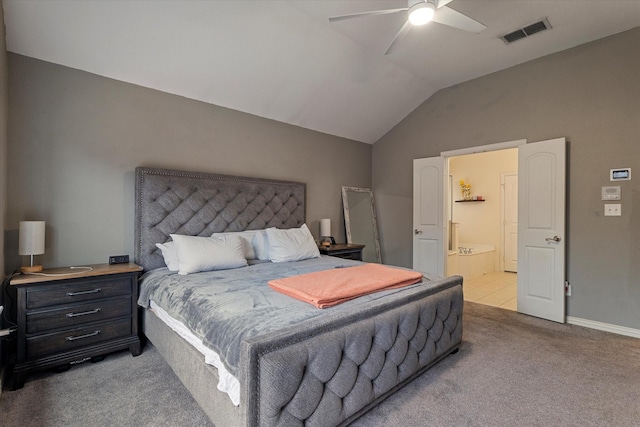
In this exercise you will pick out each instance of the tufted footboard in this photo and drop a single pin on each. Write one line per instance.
(332, 373)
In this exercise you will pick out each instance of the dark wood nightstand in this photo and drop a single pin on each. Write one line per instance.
(343, 250)
(70, 315)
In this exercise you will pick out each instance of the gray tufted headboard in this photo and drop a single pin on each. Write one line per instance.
(199, 204)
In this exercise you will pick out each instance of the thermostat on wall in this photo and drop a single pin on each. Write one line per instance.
(623, 174)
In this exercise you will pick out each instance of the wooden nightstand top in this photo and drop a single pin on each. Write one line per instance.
(61, 273)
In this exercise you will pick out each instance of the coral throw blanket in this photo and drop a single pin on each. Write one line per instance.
(330, 287)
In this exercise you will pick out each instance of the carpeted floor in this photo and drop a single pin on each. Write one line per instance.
(516, 370)
(511, 370)
(119, 391)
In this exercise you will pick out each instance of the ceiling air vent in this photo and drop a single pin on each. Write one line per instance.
(526, 31)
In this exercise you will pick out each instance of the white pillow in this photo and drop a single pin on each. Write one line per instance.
(246, 237)
(294, 244)
(169, 254)
(261, 245)
(208, 253)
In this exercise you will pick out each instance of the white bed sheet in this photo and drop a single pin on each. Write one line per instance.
(227, 383)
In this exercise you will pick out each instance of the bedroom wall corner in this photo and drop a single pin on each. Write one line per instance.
(4, 111)
(4, 108)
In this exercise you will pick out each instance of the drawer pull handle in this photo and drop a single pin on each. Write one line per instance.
(93, 291)
(84, 313)
(79, 337)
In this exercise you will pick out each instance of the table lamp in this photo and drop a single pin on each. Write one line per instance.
(31, 242)
(325, 232)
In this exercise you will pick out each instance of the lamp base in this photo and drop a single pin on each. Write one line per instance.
(31, 268)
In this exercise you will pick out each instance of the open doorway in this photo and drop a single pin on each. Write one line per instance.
(541, 221)
(482, 219)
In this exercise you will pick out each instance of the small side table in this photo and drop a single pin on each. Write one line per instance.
(343, 250)
(70, 315)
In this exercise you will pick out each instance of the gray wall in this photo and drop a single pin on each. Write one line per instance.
(589, 94)
(3, 165)
(76, 138)
(4, 106)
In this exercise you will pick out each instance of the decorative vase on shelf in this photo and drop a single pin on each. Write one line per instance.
(466, 190)
(466, 193)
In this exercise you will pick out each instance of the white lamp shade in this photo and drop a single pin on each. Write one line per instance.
(325, 227)
(31, 240)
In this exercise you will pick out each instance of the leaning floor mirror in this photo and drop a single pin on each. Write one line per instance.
(360, 221)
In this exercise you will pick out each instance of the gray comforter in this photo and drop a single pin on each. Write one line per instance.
(223, 308)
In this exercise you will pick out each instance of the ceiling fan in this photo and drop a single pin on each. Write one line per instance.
(419, 13)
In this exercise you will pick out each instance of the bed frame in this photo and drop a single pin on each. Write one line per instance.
(328, 373)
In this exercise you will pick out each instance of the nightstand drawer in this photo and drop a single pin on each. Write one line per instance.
(79, 337)
(348, 255)
(85, 290)
(346, 251)
(73, 315)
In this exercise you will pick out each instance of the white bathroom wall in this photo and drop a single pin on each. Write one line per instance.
(480, 222)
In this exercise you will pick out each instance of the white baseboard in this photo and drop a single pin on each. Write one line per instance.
(607, 327)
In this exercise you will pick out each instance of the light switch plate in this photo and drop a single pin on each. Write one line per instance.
(612, 209)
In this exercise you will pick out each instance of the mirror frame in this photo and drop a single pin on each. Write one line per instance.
(347, 219)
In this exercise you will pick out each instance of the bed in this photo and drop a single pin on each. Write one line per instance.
(325, 368)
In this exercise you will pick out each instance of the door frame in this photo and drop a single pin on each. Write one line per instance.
(503, 205)
(472, 150)
(484, 148)
(444, 156)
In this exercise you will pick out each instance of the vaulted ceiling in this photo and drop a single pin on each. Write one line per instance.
(285, 61)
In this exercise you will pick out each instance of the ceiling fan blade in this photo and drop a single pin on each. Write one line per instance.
(403, 32)
(363, 14)
(443, 3)
(453, 18)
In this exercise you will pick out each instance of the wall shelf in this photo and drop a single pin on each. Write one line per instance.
(470, 201)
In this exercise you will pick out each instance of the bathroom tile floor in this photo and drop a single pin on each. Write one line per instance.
(498, 289)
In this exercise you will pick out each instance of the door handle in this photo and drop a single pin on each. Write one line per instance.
(416, 231)
(555, 239)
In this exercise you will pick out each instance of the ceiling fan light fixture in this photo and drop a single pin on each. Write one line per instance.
(421, 13)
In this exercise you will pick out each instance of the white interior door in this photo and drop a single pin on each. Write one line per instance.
(428, 213)
(510, 222)
(541, 229)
